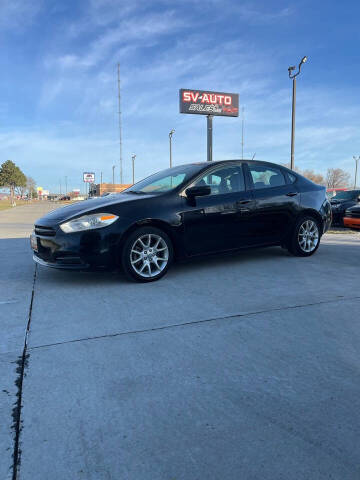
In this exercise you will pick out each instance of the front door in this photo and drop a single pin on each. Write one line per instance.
(219, 221)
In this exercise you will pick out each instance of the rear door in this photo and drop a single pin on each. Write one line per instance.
(219, 221)
(277, 202)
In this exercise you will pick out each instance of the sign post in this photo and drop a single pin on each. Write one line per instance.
(209, 137)
(203, 102)
(88, 177)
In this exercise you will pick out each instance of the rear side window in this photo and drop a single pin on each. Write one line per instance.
(292, 177)
(266, 177)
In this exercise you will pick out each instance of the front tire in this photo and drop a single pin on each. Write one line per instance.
(147, 254)
(305, 239)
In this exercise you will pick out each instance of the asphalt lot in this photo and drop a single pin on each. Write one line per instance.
(243, 367)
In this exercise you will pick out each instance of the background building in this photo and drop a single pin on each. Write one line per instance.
(101, 188)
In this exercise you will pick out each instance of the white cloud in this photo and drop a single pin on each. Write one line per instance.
(18, 13)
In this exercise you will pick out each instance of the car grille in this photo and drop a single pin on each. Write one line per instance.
(44, 231)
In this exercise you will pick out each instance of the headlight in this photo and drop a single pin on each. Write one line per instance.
(89, 222)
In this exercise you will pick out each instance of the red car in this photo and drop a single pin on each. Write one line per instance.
(352, 218)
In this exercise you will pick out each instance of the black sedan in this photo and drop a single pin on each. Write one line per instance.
(183, 212)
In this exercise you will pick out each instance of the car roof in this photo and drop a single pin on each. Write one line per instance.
(220, 162)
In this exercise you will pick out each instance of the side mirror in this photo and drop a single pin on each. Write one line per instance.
(199, 191)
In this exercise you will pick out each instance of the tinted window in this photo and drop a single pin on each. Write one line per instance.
(266, 177)
(224, 179)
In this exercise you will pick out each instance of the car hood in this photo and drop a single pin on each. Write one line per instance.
(85, 207)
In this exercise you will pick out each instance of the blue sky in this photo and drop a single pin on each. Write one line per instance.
(58, 104)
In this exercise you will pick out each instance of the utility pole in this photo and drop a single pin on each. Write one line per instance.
(100, 178)
(113, 169)
(356, 169)
(65, 185)
(60, 186)
(293, 77)
(120, 128)
(171, 133)
(242, 135)
(133, 167)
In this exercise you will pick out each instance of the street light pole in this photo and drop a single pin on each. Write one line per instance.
(356, 169)
(113, 170)
(293, 77)
(133, 167)
(171, 133)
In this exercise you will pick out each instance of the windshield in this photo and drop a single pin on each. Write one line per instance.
(349, 195)
(165, 180)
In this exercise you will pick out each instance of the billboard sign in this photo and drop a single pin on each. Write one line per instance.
(89, 177)
(204, 102)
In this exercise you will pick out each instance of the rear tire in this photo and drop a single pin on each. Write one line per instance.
(147, 254)
(305, 239)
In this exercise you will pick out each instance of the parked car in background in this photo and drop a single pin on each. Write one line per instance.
(183, 212)
(341, 202)
(331, 192)
(352, 218)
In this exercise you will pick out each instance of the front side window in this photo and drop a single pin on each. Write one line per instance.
(266, 177)
(224, 179)
(166, 180)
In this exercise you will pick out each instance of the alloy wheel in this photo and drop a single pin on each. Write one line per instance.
(308, 236)
(149, 255)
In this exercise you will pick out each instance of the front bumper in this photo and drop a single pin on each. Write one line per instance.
(91, 249)
(352, 222)
(58, 265)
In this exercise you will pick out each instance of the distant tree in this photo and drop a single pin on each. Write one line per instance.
(31, 187)
(11, 177)
(336, 178)
(314, 177)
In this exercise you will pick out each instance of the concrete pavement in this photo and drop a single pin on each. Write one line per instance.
(239, 367)
(16, 283)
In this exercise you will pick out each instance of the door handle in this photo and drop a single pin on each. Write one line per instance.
(243, 202)
(291, 194)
